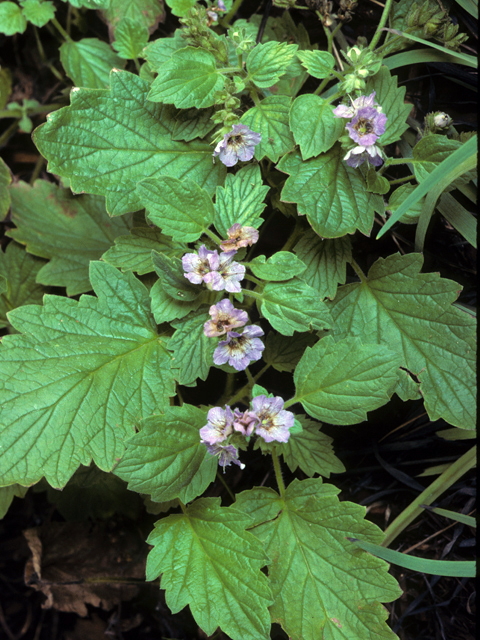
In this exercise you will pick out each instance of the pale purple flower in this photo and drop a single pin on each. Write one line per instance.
(357, 156)
(226, 455)
(239, 236)
(219, 425)
(227, 274)
(274, 421)
(198, 266)
(244, 421)
(342, 111)
(240, 349)
(221, 5)
(366, 126)
(224, 318)
(237, 145)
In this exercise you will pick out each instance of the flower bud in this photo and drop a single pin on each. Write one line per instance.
(441, 120)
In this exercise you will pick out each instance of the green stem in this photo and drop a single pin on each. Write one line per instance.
(31, 111)
(36, 170)
(213, 236)
(278, 473)
(232, 496)
(250, 379)
(321, 86)
(253, 279)
(252, 294)
(431, 493)
(400, 180)
(383, 21)
(358, 271)
(231, 13)
(289, 403)
(61, 30)
(8, 132)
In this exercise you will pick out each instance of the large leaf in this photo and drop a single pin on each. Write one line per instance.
(89, 62)
(323, 585)
(107, 141)
(208, 561)
(166, 459)
(391, 99)
(19, 272)
(73, 386)
(412, 313)
(293, 306)
(313, 125)
(266, 63)
(192, 349)
(188, 79)
(270, 118)
(326, 260)
(69, 230)
(311, 450)
(240, 200)
(179, 207)
(339, 382)
(331, 194)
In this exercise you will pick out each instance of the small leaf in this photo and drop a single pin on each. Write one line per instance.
(326, 261)
(38, 13)
(376, 183)
(166, 459)
(180, 7)
(174, 282)
(144, 12)
(161, 50)
(283, 352)
(7, 494)
(179, 207)
(206, 551)
(5, 181)
(313, 125)
(192, 349)
(240, 200)
(188, 79)
(339, 382)
(311, 450)
(130, 39)
(70, 231)
(12, 19)
(266, 63)
(430, 151)
(319, 64)
(293, 306)
(89, 62)
(165, 308)
(396, 199)
(330, 193)
(270, 119)
(283, 265)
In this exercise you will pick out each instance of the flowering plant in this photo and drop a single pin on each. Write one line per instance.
(208, 221)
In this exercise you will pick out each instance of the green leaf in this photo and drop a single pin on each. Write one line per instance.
(89, 4)
(38, 12)
(326, 261)
(412, 313)
(377, 183)
(130, 39)
(266, 63)
(293, 306)
(319, 64)
(145, 12)
(192, 123)
(68, 230)
(73, 386)
(330, 193)
(166, 308)
(460, 218)
(240, 200)
(107, 141)
(338, 382)
(207, 551)
(311, 450)
(5, 181)
(391, 99)
(406, 387)
(323, 586)
(283, 265)
(179, 207)
(283, 353)
(7, 494)
(134, 252)
(462, 58)
(161, 50)
(12, 19)
(192, 349)
(180, 7)
(166, 459)
(18, 271)
(89, 62)
(313, 125)
(270, 119)
(417, 56)
(431, 151)
(453, 515)
(398, 197)
(188, 79)
(174, 282)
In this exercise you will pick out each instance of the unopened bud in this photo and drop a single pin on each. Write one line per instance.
(442, 120)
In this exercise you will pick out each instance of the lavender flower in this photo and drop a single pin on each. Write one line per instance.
(244, 421)
(274, 421)
(239, 236)
(219, 425)
(357, 156)
(366, 126)
(224, 318)
(198, 266)
(237, 145)
(342, 111)
(227, 274)
(226, 455)
(240, 349)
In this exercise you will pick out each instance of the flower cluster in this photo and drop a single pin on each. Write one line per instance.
(266, 419)
(219, 272)
(213, 12)
(237, 144)
(367, 124)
